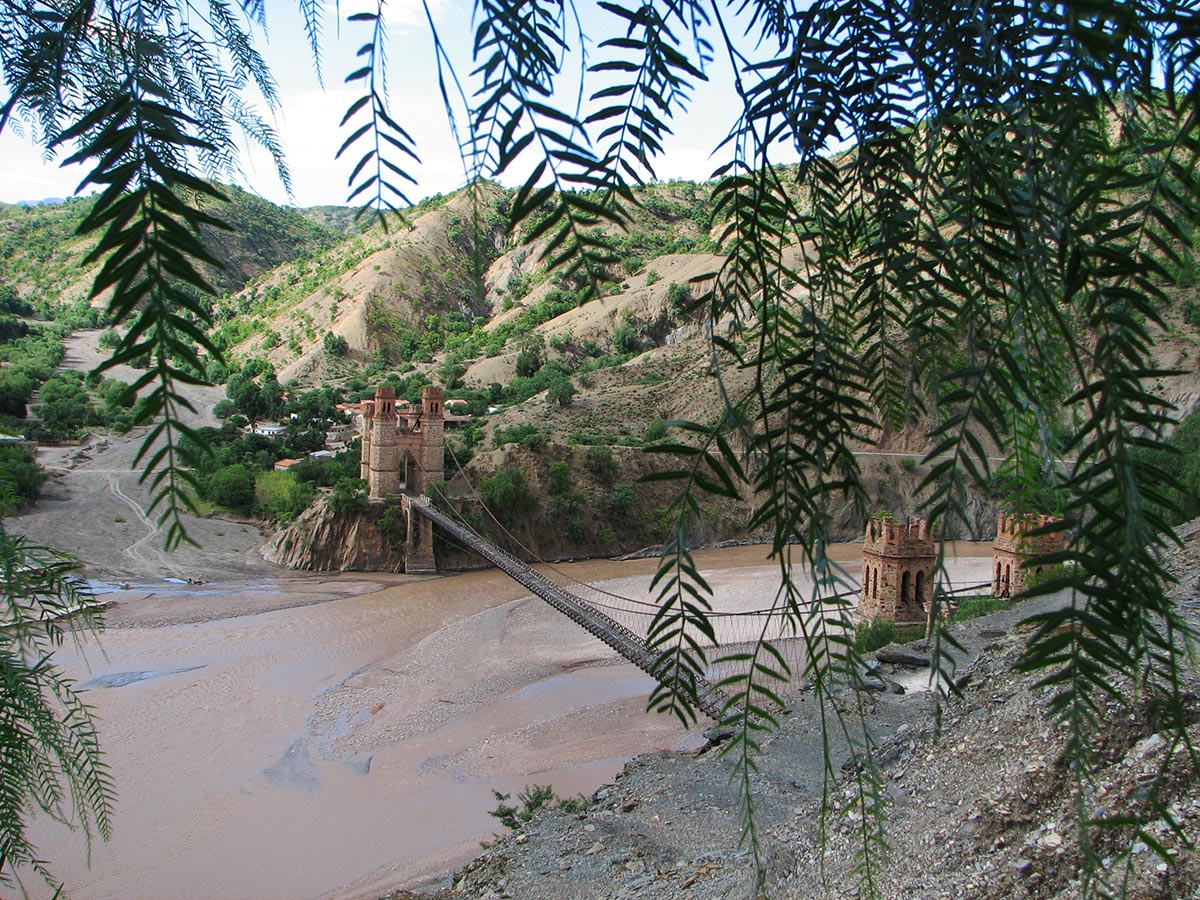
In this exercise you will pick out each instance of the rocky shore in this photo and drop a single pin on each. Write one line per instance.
(982, 806)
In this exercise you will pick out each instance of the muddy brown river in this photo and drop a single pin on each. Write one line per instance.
(348, 747)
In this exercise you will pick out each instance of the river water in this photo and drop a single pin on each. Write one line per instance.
(343, 748)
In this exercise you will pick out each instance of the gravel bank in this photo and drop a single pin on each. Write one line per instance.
(983, 808)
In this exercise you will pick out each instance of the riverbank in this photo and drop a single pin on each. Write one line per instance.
(981, 806)
(349, 747)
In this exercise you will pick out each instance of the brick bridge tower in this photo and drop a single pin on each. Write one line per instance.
(1014, 545)
(380, 447)
(430, 432)
(897, 562)
(364, 455)
(432, 429)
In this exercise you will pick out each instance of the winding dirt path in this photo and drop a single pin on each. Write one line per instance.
(139, 551)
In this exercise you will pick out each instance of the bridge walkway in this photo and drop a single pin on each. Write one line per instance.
(711, 699)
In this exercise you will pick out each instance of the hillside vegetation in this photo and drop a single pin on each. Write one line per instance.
(43, 257)
(452, 296)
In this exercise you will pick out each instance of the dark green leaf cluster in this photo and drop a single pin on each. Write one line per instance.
(375, 181)
(991, 253)
(49, 752)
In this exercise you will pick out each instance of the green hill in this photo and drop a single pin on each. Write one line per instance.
(43, 256)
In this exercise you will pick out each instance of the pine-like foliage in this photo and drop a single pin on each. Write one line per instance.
(49, 754)
(975, 228)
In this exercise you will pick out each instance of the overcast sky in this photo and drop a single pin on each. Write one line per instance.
(309, 118)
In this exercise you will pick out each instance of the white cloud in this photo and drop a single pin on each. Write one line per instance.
(308, 128)
(400, 15)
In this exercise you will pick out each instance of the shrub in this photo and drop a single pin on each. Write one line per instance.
(560, 481)
(679, 296)
(656, 431)
(600, 463)
(561, 391)
(348, 495)
(531, 357)
(335, 344)
(873, 635)
(507, 493)
(625, 338)
(532, 798)
(21, 477)
(575, 530)
(973, 607)
(526, 435)
(232, 487)
(621, 499)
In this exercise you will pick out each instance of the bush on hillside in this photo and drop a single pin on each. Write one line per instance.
(21, 477)
(507, 494)
(599, 461)
(232, 487)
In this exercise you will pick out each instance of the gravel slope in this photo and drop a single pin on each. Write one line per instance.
(985, 808)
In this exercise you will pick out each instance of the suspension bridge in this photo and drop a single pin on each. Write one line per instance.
(714, 702)
(402, 458)
(620, 622)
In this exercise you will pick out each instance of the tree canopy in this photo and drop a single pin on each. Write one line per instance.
(976, 229)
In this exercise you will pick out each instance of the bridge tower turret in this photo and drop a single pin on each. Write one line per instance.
(430, 467)
(897, 562)
(383, 479)
(1014, 545)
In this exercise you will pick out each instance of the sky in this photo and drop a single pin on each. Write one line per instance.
(308, 121)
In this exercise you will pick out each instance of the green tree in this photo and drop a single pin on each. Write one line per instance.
(1019, 178)
(561, 392)
(16, 389)
(335, 344)
(532, 355)
(559, 480)
(621, 500)
(507, 494)
(625, 337)
(23, 477)
(349, 495)
(232, 487)
(255, 392)
(601, 463)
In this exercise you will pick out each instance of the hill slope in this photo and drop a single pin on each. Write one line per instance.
(43, 255)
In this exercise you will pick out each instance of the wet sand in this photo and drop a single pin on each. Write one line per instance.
(344, 748)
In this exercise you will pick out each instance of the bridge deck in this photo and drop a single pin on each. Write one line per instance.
(709, 698)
